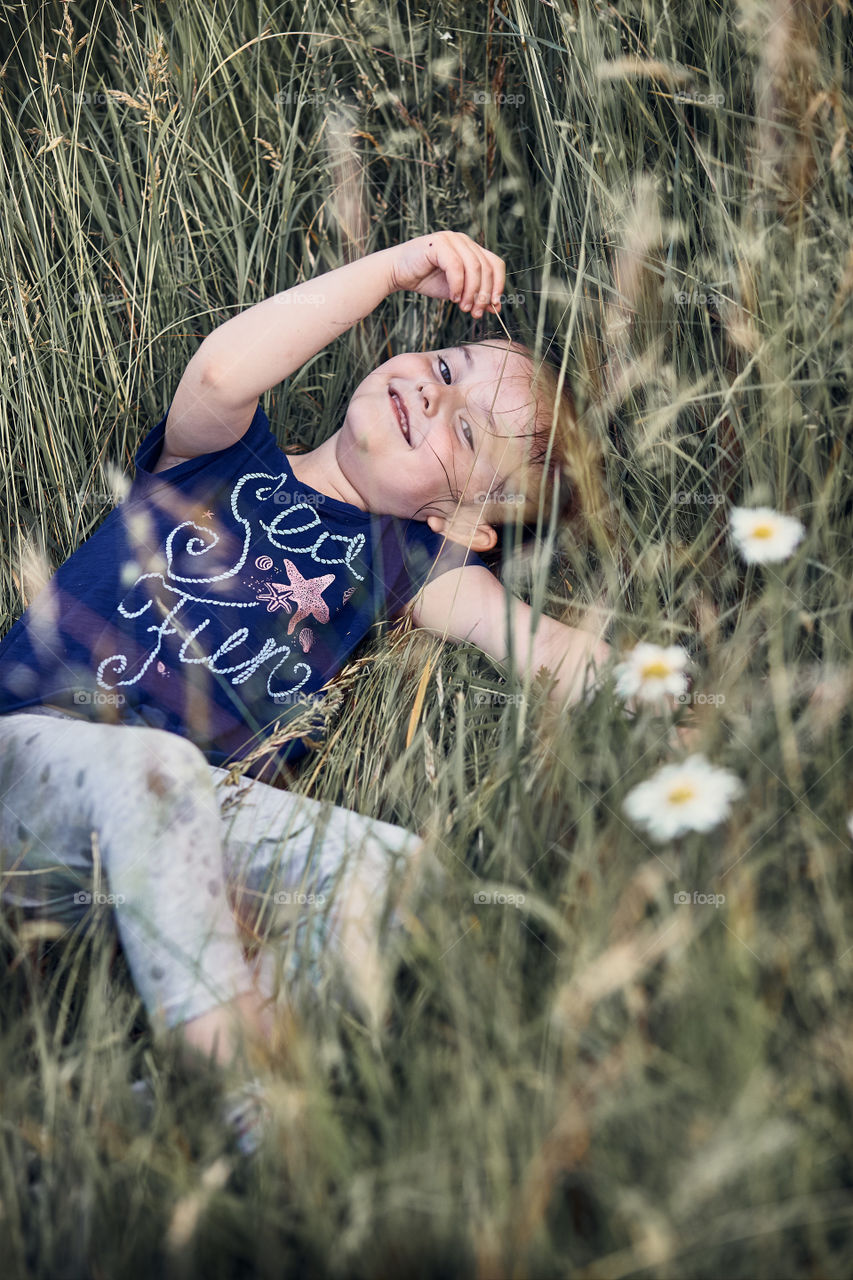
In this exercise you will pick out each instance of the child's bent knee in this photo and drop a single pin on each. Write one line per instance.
(166, 761)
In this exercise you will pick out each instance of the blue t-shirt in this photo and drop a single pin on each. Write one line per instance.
(216, 599)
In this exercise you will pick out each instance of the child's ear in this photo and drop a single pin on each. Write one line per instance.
(480, 537)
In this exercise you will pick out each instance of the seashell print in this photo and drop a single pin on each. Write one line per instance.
(306, 638)
(264, 562)
(349, 591)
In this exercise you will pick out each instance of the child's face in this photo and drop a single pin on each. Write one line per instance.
(453, 449)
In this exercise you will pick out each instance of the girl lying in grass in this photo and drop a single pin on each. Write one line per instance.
(230, 585)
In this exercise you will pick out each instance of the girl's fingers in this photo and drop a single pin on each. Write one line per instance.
(485, 291)
(473, 273)
(492, 283)
(498, 275)
(454, 274)
(492, 276)
(474, 276)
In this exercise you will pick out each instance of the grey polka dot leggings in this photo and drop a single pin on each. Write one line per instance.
(135, 822)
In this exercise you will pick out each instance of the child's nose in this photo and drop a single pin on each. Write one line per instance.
(432, 393)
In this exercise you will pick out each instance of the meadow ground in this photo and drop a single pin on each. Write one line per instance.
(635, 1058)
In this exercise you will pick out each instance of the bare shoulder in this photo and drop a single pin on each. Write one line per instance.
(166, 461)
(201, 419)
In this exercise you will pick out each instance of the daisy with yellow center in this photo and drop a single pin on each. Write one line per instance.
(764, 535)
(652, 671)
(691, 796)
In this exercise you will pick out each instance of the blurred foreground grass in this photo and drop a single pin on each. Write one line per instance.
(600, 1081)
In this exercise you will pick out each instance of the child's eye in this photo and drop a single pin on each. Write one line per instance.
(466, 429)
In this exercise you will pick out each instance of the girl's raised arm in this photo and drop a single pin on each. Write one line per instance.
(257, 349)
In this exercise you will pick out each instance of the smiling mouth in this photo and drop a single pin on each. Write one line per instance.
(402, 416)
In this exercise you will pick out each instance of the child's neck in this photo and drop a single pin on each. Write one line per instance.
(319, 469)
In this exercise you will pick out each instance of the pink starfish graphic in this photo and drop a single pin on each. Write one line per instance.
(308, 594)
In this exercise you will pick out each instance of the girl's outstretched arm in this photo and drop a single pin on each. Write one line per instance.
(470, 604)
(261, 346)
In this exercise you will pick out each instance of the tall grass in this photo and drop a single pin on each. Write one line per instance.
(598, 1082)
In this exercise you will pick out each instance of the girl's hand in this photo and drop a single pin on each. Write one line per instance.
(448, 264)
(689, 735)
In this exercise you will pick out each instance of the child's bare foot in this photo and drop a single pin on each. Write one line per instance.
(240, 1026)
(239, 1037)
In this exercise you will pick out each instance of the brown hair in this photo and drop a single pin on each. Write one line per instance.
(562, 457)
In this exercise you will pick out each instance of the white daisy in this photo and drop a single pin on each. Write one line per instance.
(691, 796)
(651, 671)
(764, 535)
